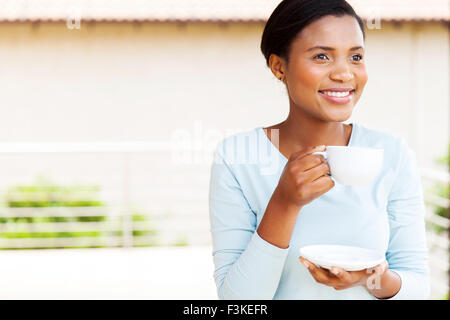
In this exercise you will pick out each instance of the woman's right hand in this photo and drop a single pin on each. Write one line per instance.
(304, 177)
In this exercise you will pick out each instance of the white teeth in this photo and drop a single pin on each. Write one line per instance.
(336, 94)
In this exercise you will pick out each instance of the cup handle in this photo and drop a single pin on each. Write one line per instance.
(324, 153)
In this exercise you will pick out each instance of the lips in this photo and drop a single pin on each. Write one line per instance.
(338, 95)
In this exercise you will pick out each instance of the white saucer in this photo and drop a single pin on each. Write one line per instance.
(345, 257)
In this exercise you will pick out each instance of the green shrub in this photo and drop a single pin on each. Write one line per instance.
(46, 194)
(442, 191)
(181, 241)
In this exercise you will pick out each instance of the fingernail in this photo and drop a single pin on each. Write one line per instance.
(320, 147)
(306, 264)
(334, 271)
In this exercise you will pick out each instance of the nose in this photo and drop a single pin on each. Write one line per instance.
(342, 73)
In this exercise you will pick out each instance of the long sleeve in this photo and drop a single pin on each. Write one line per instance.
(246, 266)
(407, 253)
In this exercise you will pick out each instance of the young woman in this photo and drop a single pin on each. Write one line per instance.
(260, 218)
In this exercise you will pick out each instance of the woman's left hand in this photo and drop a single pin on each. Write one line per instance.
(340, 279)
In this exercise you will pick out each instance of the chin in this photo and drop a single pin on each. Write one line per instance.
(338, 115)
(337, 120)
(345, 117)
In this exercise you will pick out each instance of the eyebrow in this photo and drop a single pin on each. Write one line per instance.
(332, 49)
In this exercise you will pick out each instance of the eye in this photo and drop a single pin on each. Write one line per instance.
(356, 58)
(321, 56)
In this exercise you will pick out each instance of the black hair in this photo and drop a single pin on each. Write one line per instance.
(291, 16)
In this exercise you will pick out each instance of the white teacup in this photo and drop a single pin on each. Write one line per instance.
(353, 166)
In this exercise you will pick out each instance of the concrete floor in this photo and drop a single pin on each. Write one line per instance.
(136, 273)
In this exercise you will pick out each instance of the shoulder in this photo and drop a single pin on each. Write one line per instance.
(372, 136)
(395, 146)
(400, 164)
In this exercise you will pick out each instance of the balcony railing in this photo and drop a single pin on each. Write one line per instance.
(184, 225)
(438, 242)
(121, 229)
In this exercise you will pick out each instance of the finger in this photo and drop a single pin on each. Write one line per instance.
(305, 262)
(304, 152)
(322, 184)
(317, 172)
(381, 268)
(321, 275)
(338, 288)
(308, 264)
(308, 162)
(378, 269)
(343, 275)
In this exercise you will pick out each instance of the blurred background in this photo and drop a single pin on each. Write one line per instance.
(110, 111)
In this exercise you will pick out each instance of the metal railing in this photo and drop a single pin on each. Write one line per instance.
(438, 242)
(111, 231)
(119, 228)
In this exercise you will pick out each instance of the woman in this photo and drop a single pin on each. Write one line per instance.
(260, 219)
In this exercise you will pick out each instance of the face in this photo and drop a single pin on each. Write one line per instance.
(326, 73)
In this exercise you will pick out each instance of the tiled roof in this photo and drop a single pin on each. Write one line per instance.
(403, 10)
(202, 10)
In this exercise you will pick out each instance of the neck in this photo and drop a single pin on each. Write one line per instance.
(301, 131)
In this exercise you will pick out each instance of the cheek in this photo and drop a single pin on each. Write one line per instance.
(311, 77)
(361, 77)
(308, 77)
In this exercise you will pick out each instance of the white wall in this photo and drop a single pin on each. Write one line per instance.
(122, 82)
(407, 92)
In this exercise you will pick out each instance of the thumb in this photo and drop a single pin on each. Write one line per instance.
(381, 268)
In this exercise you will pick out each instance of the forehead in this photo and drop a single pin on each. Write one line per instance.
(330, 31)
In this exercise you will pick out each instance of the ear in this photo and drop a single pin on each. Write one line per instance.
(278, 66)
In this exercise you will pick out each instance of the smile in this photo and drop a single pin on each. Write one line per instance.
(338, 96)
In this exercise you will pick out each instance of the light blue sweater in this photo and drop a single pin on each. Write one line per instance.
(387, 216)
